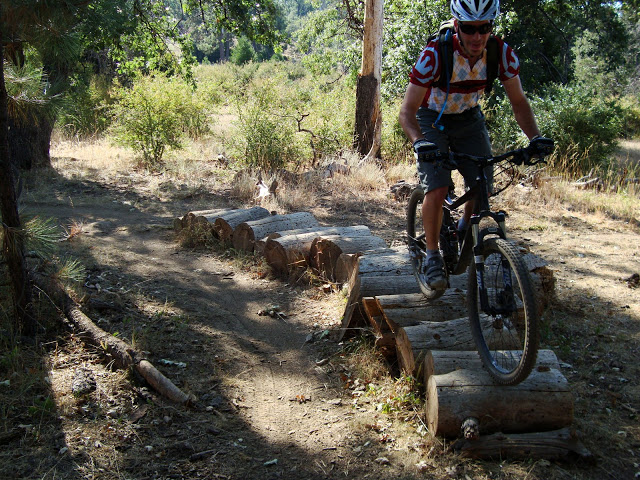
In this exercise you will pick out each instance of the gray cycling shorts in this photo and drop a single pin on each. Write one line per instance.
(464, 132)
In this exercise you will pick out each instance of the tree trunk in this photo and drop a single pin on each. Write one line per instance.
(12, 240)
(29, 143)
(368, 125)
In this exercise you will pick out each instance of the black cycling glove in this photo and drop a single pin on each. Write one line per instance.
(541, 146)
(425, 151)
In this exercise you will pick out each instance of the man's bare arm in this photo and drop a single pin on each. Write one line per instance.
(412, 100)
(521, 108)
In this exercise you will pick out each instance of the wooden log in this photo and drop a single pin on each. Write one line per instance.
(246, 233)
(388, 262)
(405, 310)
(325, 251)
(387, 344)
(345, 265)
(354, 316)
(355, 230)
(321, 231)
(415, 340)
(289, 254)
(541, 402)
(439, 362)
(369, 279)
(374, 314)
(562, 444)
(224, 225)
(200, 217)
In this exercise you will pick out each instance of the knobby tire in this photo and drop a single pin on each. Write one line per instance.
(507, 342)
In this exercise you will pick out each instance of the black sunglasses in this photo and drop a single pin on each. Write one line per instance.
(472, 29)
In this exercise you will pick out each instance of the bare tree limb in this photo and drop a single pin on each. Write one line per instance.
(122, 354)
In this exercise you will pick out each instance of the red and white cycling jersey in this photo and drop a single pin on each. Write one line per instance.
(467, 84)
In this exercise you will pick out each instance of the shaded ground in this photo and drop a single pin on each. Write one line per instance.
(278, 397)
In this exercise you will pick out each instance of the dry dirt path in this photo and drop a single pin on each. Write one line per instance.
(274, 405)
(271, 402)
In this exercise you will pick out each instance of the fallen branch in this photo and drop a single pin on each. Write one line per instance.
(123, 354)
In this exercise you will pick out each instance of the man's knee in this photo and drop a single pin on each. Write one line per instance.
(436, 196)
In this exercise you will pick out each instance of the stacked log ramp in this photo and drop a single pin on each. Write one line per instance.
(430, 340)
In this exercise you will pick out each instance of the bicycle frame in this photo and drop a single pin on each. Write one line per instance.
(480, 196)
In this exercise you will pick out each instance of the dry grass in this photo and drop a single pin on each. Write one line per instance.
(629, 154)
(98, 155)
(401, 171)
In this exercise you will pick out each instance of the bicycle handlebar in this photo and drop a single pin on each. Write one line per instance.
(520, 156)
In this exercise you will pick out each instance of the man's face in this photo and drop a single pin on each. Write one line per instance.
(474, 36)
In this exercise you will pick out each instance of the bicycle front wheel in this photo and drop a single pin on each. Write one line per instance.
(503, 312)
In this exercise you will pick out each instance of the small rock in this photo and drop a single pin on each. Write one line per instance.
(383, 461)
(451, 471)
(113, 413)
(83, 382)
(271, 462)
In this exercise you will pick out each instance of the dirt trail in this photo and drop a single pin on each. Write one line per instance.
(274, 400)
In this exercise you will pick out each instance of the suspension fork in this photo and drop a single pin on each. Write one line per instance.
(478, 247)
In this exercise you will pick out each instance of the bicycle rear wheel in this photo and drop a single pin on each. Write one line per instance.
(416, 241)
(505, 328)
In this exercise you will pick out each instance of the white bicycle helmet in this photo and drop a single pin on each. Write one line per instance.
(474, 10)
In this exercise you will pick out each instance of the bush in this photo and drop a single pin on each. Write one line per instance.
(287, 117)
(586, 128)
(267, 140)
(155, 114)
(243, 52)
(84, 111)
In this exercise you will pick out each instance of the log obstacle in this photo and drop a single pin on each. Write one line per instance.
(289, 254)
(325, 251)
(542, 402)
(431, 339)
(246, 233)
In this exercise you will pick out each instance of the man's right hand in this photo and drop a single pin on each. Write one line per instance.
(425, 151)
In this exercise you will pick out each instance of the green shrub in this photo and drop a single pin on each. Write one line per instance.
(630, 117)
(585, 127)
(243, 52)
(84, 111)
(266, 140)
(156, 114)
(287, 117)
(395, 145)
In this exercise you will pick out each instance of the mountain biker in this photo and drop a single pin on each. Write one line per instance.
(448, 117)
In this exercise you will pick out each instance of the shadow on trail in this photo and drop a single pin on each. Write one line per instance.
(187, 309)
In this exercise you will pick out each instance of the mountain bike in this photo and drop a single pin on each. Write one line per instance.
(501, 301)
